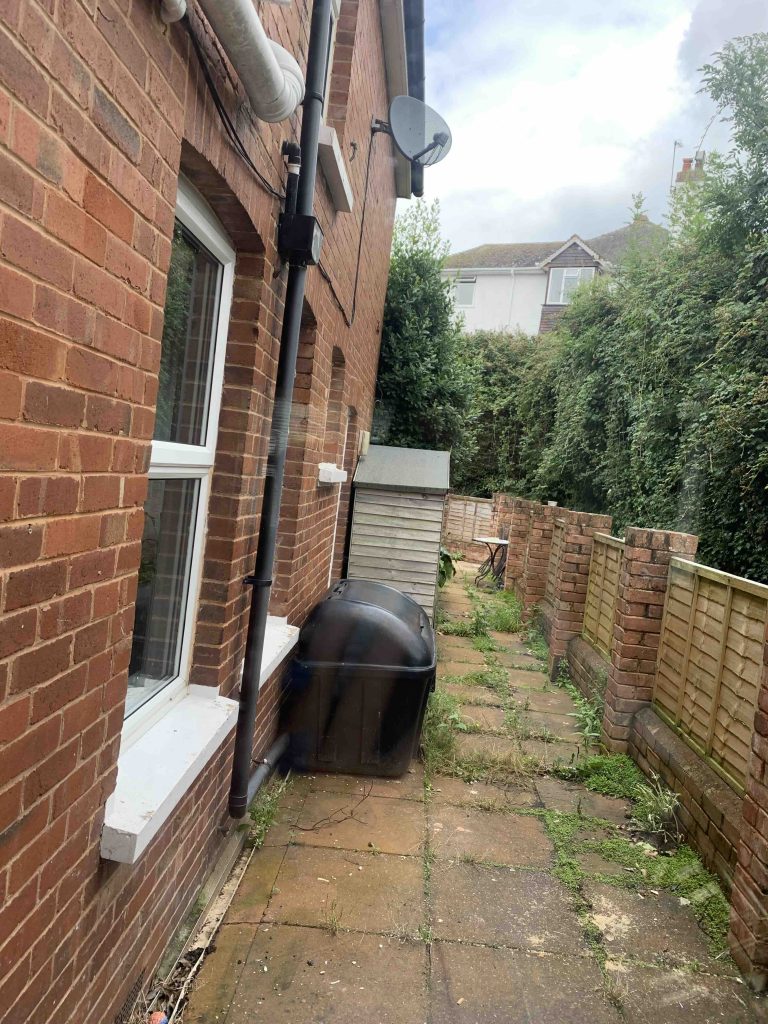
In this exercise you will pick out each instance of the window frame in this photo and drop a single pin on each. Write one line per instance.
(565, 271)
(464, 280)
(171, 460)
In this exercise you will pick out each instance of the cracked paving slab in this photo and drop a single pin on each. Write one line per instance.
(361, 891)
(504, 906)
(296, 975)
(511, 839)
(481, 985)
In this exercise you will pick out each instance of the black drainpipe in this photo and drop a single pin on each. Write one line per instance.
(414, 41)
(261, 581)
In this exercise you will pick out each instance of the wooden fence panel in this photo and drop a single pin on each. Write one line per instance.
(710, 663)
(467, 518)
(602, 590)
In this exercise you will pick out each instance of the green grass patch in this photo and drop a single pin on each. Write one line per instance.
(588, 713)
(442, 721)
(535, 641)
(609, 774)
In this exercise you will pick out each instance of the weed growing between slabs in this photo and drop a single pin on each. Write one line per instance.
(264, 810)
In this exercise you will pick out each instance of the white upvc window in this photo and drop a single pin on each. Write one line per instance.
(335, 8)
(464, 291)
(563, 282)
(197, 309)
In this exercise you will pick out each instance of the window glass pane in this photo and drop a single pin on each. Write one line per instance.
(556, 285)
(170, 514)
(186, 359)
(465, 293)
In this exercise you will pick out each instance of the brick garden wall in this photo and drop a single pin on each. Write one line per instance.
(723, 815)
(101, 106)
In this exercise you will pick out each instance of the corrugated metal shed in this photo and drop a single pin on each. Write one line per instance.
(397, 518)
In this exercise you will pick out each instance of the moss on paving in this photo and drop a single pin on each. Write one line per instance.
(610, 774)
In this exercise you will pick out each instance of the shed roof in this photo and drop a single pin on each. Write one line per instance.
(404, 469)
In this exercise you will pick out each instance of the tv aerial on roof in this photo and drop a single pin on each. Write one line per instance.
(418, 131)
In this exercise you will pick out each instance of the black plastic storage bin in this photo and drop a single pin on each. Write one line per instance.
(359, 682)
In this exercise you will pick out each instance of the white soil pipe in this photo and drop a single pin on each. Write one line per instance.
(270, 74)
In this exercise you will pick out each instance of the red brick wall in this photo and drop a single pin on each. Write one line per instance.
(100, 107)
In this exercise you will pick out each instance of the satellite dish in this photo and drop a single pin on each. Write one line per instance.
(421, 135)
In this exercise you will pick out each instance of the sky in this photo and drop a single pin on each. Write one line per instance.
(561, 111)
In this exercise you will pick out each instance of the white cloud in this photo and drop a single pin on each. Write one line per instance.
(560, 112)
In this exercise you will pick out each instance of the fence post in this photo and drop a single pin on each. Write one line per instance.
(571, 582)
(532, 581)
(519, 525)
(637, 626)
(748, 935)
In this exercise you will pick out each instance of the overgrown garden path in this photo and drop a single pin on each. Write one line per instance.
(507, 878)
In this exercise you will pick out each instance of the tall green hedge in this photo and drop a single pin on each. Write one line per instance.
(650, 400)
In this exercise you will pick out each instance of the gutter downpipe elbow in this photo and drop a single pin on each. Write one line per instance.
(270, 75)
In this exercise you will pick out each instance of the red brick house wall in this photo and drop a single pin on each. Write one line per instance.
(101, 106)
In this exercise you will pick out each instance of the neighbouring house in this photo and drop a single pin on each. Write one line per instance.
(524, 286)
(141, 302)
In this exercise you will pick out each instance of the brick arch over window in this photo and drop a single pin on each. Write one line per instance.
(341, 72)
(238, 475)
(335, 419)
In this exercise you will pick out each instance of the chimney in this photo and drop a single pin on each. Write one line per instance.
(693, 168)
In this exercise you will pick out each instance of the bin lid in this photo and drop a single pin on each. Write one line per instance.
(404, 469)
(360, 622)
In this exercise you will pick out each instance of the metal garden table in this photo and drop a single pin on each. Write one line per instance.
(496, 562)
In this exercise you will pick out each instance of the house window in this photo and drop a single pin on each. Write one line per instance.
(335, 7)
(197, 306)
(464, 291)
(563, 282)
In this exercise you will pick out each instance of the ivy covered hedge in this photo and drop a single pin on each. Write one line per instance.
(650, 400)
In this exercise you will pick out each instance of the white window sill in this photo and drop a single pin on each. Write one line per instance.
(156, 771)
(334, 169)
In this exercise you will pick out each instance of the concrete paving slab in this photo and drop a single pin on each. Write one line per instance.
(488, 719)
(551, 753)
(503, 906)
(459, 656)
(561, 726)
(219, 976)
(650, 995)
(408, 787)
(591, 862)
(256, 885)
(470, 694)
(312, 977)
(377, 822)
(525, 679)
(366, 892)
(446, 790)
(469, 744)
(546, 702)
(509, 641)
(569, 798)
(512, 839)
(480, 985)
(455, 671)
(510, 659)
(650, 926)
